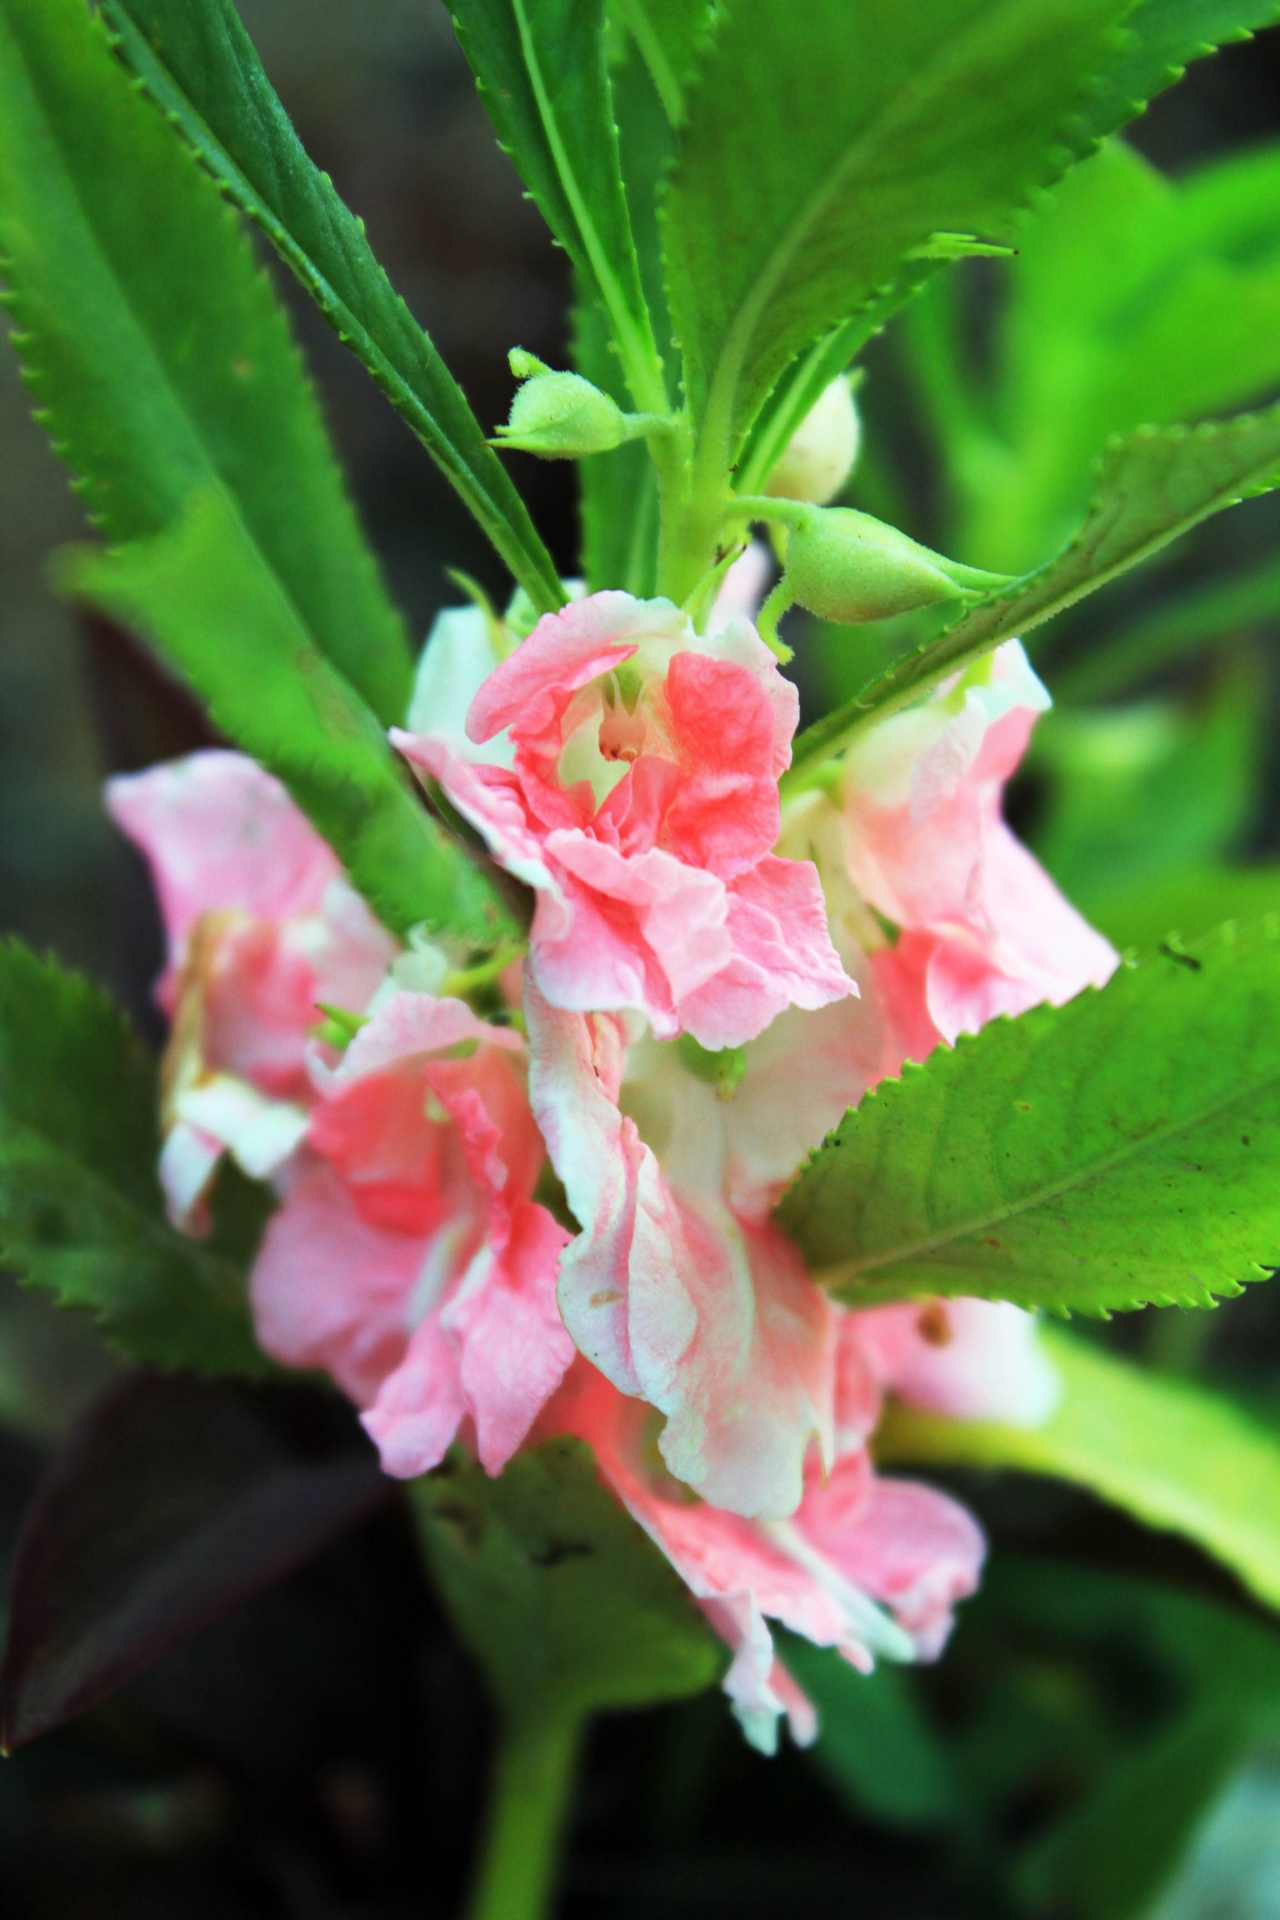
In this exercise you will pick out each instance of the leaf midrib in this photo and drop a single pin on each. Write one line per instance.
(635, 341)
(1093, 1170)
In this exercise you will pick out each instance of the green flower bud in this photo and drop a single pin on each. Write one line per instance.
(845, 566)
(560, 415)
(821, 453)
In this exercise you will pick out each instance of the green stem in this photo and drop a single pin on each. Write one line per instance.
(532, 1777)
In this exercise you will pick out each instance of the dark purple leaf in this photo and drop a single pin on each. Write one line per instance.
(174, 1499)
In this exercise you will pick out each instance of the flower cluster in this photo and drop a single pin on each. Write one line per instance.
(551, 1211)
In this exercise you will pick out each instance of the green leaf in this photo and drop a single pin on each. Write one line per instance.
(1176, 1455)
(1152, 487)
(540, 66)
(564, 1602)
(1117, 1151)
(196, 61)
(1141, 792)
(619, 490)
(1166, 36)
(824, 144)
(205, 596)
(81, 1215)
(1185, 905)
(156, 348)
(667, 33)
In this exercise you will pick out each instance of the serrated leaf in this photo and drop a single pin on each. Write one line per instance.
(203, 594)
(1165, 37)
(1152, 487)
(1117, 1151)
(1177, 1455)
(174, 1500)
(565, 1603)
(824, 144)
(199, 65)
(155, 346)
(81, 1214)
(540, 65)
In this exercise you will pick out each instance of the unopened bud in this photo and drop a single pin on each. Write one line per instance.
(845, 566)
(560, 415)
(821, 453)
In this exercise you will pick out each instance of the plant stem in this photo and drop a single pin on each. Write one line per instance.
(532, 1777)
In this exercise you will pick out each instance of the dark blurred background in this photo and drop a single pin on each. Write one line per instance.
(321, 1754)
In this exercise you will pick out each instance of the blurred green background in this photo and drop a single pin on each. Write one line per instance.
(1103, 1739)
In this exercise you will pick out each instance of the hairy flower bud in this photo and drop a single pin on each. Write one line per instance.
(560, 416)
(845, 566)
(821, 453)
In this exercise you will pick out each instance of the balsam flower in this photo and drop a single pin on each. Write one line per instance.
(261, 926)
(627, 770)
(409, 1258)
(680, 1288)
(978, 927)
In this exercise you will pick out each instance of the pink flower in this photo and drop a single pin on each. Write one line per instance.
(679, 1288)
(261, 926)
(870, 1566)
(981, 929)
(409, 1258)
(627, 770)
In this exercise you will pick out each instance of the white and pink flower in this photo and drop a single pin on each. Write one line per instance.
(261, 927)
(410, 1259)
(626, 769)
(979, 928)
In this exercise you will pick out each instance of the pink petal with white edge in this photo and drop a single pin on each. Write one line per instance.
(220, 832)
(970, 1359)
(489, 797)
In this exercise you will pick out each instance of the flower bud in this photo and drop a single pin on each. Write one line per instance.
(560, 415)
(845, 566)
(820, 455)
